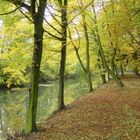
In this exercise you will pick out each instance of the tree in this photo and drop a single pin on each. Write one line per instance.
(87, 54)
(87, 45)
(37, 14)
(101, 51)
(38, 17)
(123, 31)
(64, 23)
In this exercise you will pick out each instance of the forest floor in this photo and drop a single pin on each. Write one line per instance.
(109, 113)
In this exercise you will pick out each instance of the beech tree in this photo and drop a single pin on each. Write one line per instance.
(86, 67)
(64, 23)
(36, 11)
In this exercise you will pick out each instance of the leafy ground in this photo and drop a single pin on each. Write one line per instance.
(109, 113)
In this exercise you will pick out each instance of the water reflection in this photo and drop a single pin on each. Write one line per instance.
(12, 112)
(13, 105)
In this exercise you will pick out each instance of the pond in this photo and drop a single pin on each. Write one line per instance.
(13, 104)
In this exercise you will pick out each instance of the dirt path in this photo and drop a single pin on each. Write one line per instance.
(110, 113)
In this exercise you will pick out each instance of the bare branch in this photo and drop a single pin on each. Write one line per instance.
(50, 5)
(53, 16)
(52, 26)
(53, 36)
(76, 49)
(7, 13)
(26, 16)
(19, 4)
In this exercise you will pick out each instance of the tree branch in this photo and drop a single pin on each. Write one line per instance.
(55, 37)
(52, 26)
(76, 49)
(53, 16)
(10, 11)
(19, 3)
(26, 16)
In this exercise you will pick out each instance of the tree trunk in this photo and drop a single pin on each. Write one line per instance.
(36, 61)
(64, 23)
(103, 72)
(101, 68)
(116, 70)
(113, 66)
(88, 74)
(103, 78)
(121, 69)
(108, 76)
(36, 10)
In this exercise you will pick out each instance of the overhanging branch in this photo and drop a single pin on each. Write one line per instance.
(26, 16)
(19, 3)
(12, 11)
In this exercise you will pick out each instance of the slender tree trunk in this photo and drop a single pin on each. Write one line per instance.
(108, 74)
(121, 64)
(101, 66)
(88, 74)
(113, 67)
(80, 61)
(112, 72)
(36, 61)
(82, 65)
(64, 23)
(121, 69)
(103, 78)
(116, 70)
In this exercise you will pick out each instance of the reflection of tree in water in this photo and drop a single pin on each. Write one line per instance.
(1, 123)
(47, 102)
(12, 113)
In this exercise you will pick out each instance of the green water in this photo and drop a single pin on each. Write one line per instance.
(13, 104)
